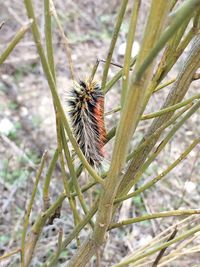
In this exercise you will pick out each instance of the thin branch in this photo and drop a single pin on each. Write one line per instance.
(73, 234)
(172, 59)
(72, 202)
(15, 40)
(161, 253)
(28, 212)
(115, 110)
(46, 198)
(60, 239)
(172, 52)
(157, 133)
(85, 188)
(161, 237)
(37, 229)
(170, 108)
(162, 111)
(9, 254)
(154, 216)
(127, 57)
(187, 8)
(177, 93)
(158, 88)
(94, 69)
(119, 20)
(73, 176)
(162, 174)
(65, 40)
(114, 64)
(48, 36)
(160, 247)
(112, 82)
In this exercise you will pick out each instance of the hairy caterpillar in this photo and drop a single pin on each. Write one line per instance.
(86, 103)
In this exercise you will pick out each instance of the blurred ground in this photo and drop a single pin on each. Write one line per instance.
(26, 111)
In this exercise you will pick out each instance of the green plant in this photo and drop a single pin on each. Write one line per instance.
(125, 170)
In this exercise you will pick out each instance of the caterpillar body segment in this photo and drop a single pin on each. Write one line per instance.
(86, 109)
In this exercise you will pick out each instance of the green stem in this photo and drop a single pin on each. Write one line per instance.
(170, 108)
(29, 208)
(172, 57)
(73, 176)
(47, 180)
(172, 52)
(112, 111)
(162, 111)
(48, 36)
(72, 202)
(160, 147)
(160, 247)
(158, 88)
(156, 134)
(50, 59)
(73, 234)
(60, 238)
(11, 253)
(161, 175)
(119, 20)
(65, 40)
(177, 93)
(15, 40)
(187, 8)
(45, 215)
(154, 216)
(94, 69)
(112, 82)
(85, 188)
(111, 134)
(127, 57)
(38, 226)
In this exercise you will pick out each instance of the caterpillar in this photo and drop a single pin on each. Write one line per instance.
(86, 108)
